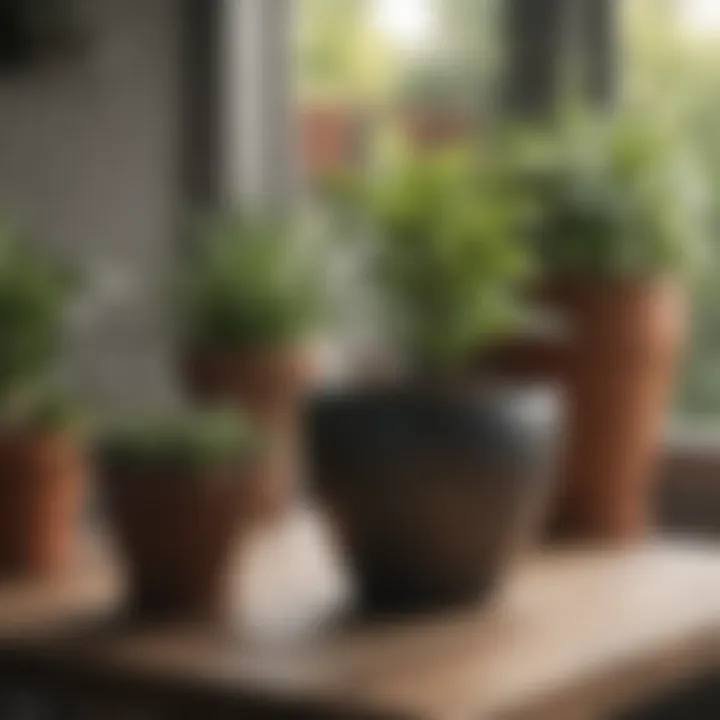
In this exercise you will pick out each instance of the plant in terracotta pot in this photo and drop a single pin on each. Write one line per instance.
(42, 476)
(179, 489)
(251, 293)
(440, 103)
(431, 477)
(622, 214)
(41, 468)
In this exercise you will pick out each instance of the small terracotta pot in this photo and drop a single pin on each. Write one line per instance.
(271, 384)
(429, 130)
(332, 138)
(617, 366)
(176, 533)
(41, 481)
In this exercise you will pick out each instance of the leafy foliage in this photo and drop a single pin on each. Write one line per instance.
(341, 56)
(448, 253)
(618, 197)
(249, 282)
(183, 440)
(34, 293)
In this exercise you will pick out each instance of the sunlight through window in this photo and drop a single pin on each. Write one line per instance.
(407, 22)
(701, 17)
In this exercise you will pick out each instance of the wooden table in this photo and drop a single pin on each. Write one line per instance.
(581, 633)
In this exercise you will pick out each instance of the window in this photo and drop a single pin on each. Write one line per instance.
(365, 66)
(671, 61)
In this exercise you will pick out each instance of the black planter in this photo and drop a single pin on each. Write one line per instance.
(432, 492)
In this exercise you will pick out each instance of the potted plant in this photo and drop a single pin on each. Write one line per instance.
(440, 103)
(430, 476)
(250, 295)
(179, 490)
(41, 468)
(621, 216)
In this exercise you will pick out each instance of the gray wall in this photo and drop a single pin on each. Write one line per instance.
(90, 154)
(174, 101)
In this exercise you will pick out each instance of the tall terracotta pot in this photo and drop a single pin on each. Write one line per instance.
(617, 365)
(41, 480)
(270, 384)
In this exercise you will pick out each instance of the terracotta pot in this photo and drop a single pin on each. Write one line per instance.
(176, 533)
(429, 130)
(617, 366)
(431, 493)
(332, 139)
(41, 480)
(271, 384)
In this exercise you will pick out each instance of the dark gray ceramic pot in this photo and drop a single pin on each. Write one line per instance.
(432, 492)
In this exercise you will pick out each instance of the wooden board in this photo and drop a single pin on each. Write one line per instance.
(574, 634)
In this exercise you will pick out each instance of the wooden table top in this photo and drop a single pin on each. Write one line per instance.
(575, 633)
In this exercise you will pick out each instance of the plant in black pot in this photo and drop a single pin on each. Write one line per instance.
(180, 489)
(432, 477)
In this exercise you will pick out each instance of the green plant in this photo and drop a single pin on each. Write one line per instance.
(618, 197)
(249, 282)
(41, 408)
(34, 293)
(340, 55)
(448, 254)
(186, 440)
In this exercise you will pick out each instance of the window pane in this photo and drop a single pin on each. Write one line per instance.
(367, 66)
(672, 63)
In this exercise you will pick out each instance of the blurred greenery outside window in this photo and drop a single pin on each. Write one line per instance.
(366, 65)
(671, 63)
